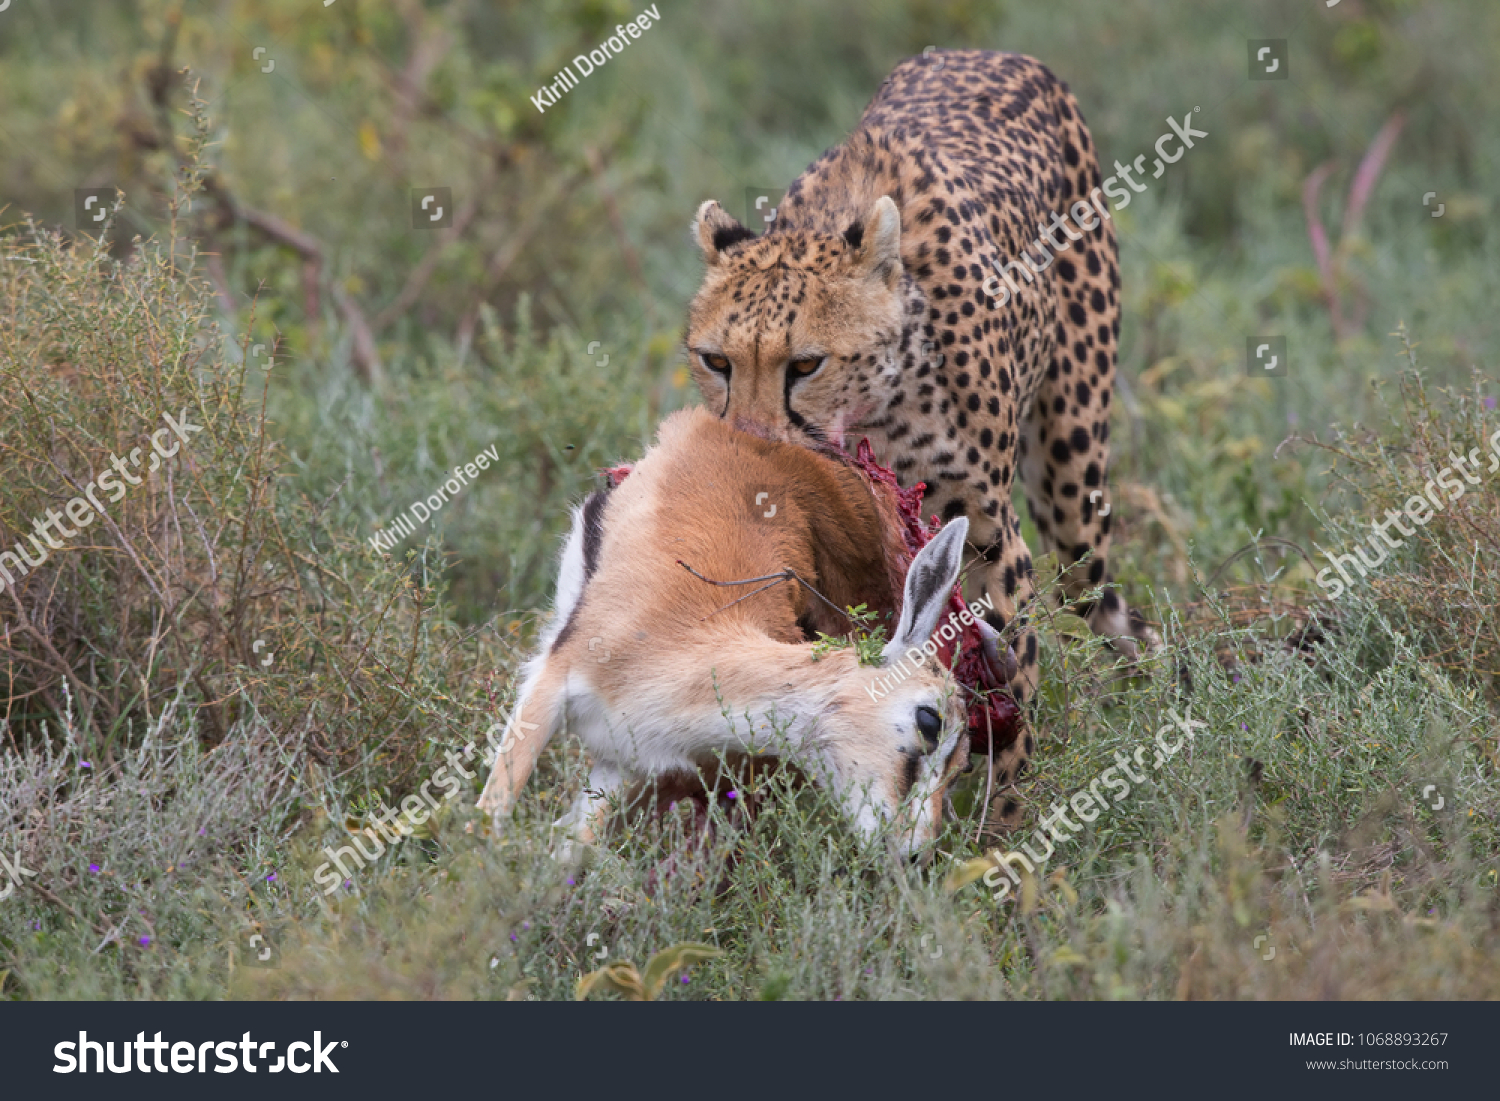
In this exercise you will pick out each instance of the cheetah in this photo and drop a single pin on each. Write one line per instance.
(870, 307)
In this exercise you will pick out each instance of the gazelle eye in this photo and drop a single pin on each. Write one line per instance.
(714, 362)
(930, 726)
(806, 367)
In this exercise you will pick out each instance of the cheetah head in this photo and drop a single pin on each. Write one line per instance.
(797, 335)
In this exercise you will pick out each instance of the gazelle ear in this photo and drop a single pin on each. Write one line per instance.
(715, 231)
(929, 583)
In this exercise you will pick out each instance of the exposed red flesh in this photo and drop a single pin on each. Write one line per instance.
(994, 718)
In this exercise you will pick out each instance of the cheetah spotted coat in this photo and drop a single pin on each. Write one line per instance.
(856, 316)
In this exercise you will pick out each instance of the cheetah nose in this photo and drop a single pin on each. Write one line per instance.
(1002, 667)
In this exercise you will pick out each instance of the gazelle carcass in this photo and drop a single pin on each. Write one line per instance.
(658, 670)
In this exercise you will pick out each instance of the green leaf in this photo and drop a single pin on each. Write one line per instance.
(1045, 567)
(1071, 626)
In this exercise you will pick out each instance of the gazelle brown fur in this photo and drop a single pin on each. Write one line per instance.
(658, 671)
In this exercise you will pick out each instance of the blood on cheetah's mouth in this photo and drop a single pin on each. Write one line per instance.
(849, 421)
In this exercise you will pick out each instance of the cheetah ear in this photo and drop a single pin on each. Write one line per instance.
(877, 242)
(717, 231)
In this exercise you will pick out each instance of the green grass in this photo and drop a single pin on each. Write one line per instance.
(1301, 813)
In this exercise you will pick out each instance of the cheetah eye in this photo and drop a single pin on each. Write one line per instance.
(716, 363)
(807, 366)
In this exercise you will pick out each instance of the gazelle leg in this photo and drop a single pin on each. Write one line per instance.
(585, 820)
(536, 716)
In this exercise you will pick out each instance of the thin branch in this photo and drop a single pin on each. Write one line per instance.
(506, 255)
(416, 281)
(61, 665)
(310, 249)
(774, 578)
(595, 161)
(1270, 540)
(60, 904)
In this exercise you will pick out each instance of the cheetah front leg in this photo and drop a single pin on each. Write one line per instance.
(1065, 440)
(1064, 464)
(1005, 580)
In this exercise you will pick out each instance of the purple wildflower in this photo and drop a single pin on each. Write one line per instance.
(1489, 403)
(145, 942)
(84, 764)
(684, 980)
(271, 878)
(570, 882)
(731, 795)
(94, 868)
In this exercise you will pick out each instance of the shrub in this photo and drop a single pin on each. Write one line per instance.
(205, 586)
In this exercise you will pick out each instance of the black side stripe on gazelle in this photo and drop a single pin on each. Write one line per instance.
(593, 530)
(593, 537)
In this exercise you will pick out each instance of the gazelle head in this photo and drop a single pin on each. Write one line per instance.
(893, 735)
